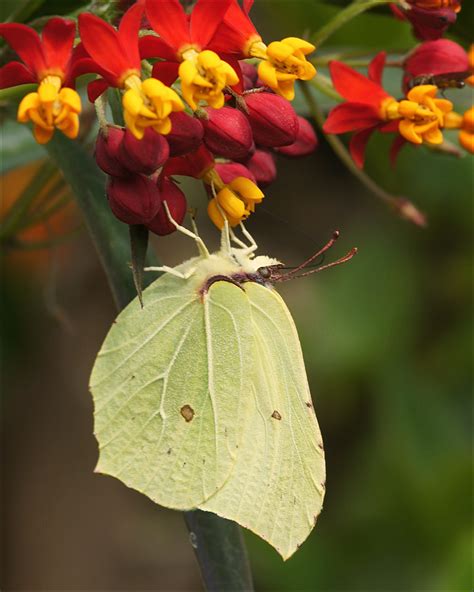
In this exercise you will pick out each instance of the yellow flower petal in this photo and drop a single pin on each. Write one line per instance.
(71, 98)
(230, 203)
(29, 101)
(433, 136)
(407, 130)
(304, 46)
(246, 189)
(267, 74)
(466, 140)
(42, 136)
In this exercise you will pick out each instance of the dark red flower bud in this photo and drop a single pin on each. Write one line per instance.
(107, 152)
(262, 166)
(227, 133)
(272, 119)
(434, 58)
(428, 23)
(186, 134)
(305, 143)
(134, 199)
(249, 75)
(228, 171)
(177, 205)
(144, 156)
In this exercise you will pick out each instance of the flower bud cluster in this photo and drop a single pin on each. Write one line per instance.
(218, 146)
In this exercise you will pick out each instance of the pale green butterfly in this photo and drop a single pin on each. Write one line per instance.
(202, 401)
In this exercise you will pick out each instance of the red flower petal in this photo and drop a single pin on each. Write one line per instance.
(15, 73)
(247, 4)
(167, 72)
(390, 127)
(355, 87)
(234, 32)
(397, 145)
(168, 19)
(350, 117)
(154, 47)
(27, 44)
(206, 17)
(128, 33)
(102, 43)
(96, 88)
(358, 144)
(58, 40)
(376, 67)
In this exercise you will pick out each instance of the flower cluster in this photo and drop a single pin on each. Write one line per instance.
(191, 103)
(417, 118)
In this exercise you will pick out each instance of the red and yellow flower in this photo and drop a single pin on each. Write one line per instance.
(418, 118)
(115, 55)
(183, 43)
(282, 62)
(46, 60)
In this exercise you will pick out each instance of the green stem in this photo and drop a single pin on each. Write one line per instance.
(404, 208)
(217, 543)
(344, 16)
(324, 85)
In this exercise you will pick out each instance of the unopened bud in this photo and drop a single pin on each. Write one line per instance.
(186, 134)
(429, 23)
(146, 155)
(107, 152)
(227, 133)
(263, 167)
(272, 119)
(435, 58)
(134, 199)
(228, 171)
(249, 75)
(305, 143)
(177, 206)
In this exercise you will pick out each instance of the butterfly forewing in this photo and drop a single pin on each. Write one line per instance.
(277, 486)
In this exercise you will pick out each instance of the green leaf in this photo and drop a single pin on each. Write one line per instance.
(138, 245)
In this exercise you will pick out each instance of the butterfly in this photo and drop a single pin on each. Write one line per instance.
(201, 396)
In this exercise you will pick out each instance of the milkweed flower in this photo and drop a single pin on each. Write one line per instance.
(234, 201)
(183, 44)
(418, 118)
(115, 56)
(282, 62)
(46, 60)
(429, 18)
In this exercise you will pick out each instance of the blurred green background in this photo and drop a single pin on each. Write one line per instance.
(387, 344)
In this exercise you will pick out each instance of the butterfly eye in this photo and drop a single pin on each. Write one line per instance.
(265, 272)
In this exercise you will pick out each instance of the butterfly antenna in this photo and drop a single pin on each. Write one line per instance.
(327, 246)
(199, 242)
(346, 257)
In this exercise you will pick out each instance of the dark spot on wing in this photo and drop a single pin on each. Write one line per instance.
(168, 451)
(187, 412)
(309, 405)
(276, 415)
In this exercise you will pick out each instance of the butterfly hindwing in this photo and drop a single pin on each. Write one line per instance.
(168, 388)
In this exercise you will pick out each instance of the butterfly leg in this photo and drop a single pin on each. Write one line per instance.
(253, 245)
(199, 242)
(172, 271)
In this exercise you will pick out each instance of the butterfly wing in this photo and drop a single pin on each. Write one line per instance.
(277, 486)
(168, 388)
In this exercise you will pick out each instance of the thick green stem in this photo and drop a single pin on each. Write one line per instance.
(344, 16)
(217, 543)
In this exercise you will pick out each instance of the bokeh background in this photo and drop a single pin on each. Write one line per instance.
(387, 344)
